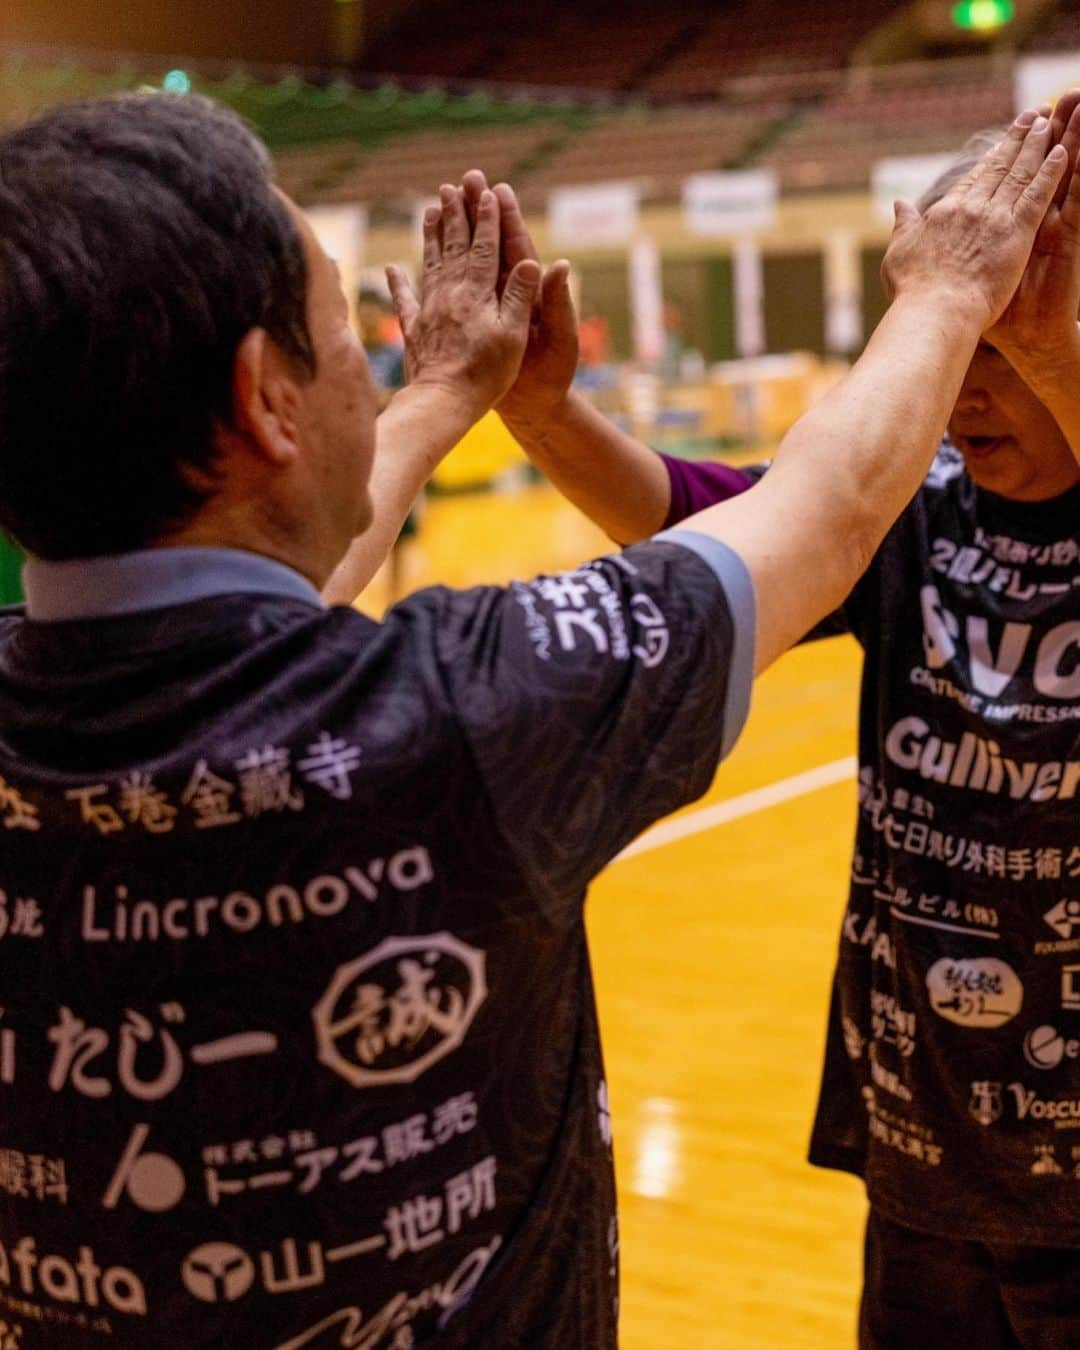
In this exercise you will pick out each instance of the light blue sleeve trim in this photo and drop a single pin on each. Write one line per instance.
(126, 583)
(734, 577)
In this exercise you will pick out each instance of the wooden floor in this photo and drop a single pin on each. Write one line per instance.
(713, 955)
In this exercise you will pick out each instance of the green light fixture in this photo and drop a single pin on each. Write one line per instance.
(983, 16)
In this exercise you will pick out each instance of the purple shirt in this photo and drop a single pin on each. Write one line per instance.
(696, 485)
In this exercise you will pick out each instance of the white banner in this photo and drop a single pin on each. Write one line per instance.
(904, 178)
(1041, 79)
(602, 216)
(730, 203)
(342, 231)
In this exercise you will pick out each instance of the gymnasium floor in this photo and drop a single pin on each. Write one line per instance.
(712, 954)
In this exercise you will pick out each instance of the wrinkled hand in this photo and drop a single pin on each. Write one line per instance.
(970, 249)
(551, 356)
(1040, 322)
(461, 335)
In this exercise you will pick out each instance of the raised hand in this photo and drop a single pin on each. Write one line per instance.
(1039, 324)
(971, 248)
(465, 334)
(551, 357)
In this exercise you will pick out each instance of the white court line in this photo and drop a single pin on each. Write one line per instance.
(786, 790)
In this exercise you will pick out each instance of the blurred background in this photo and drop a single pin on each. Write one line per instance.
(721, 174)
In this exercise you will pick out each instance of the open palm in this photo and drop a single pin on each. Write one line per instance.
(551, 355)
(1041, 318)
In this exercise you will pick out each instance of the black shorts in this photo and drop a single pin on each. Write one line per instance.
(930, 1293)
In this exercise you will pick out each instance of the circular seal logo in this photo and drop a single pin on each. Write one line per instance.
(218, 1272)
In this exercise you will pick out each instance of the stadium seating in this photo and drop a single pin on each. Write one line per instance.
(566, 52)
(336, 142)
(659, 148)
(786, 37)
(676, 52)
(829, 142)
(408, 167)
(1061, 29)
(898, 110)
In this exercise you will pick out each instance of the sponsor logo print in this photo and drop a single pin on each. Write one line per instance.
(986, 1105)
(603, 1113)
(977, 764)
(974, 991)
(898, 1132)
(880, 944)
(221, 1272)
(887, 1079)
(392, 1013)
(218, 1272)
(1048, 1164)
(1064, 918)
(1065, 1113)
(353, 1326)
(153, 1181)
(1045, 1048)
(1070, 988)
(1045, 1164)
(81, 1281)
(854, 1042)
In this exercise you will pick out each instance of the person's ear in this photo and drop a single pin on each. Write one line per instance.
(266, 397)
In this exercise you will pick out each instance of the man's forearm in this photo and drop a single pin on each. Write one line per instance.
(617, 481)
(846, 470)
(1055, 381)
(413, 435)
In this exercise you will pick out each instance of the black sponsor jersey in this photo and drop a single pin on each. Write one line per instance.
(952, 1074)
(298, 1044)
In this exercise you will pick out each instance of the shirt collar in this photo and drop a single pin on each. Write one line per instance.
(153, 578)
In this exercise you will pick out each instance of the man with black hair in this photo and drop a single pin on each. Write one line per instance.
(952, 1068)
(298, 1044)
